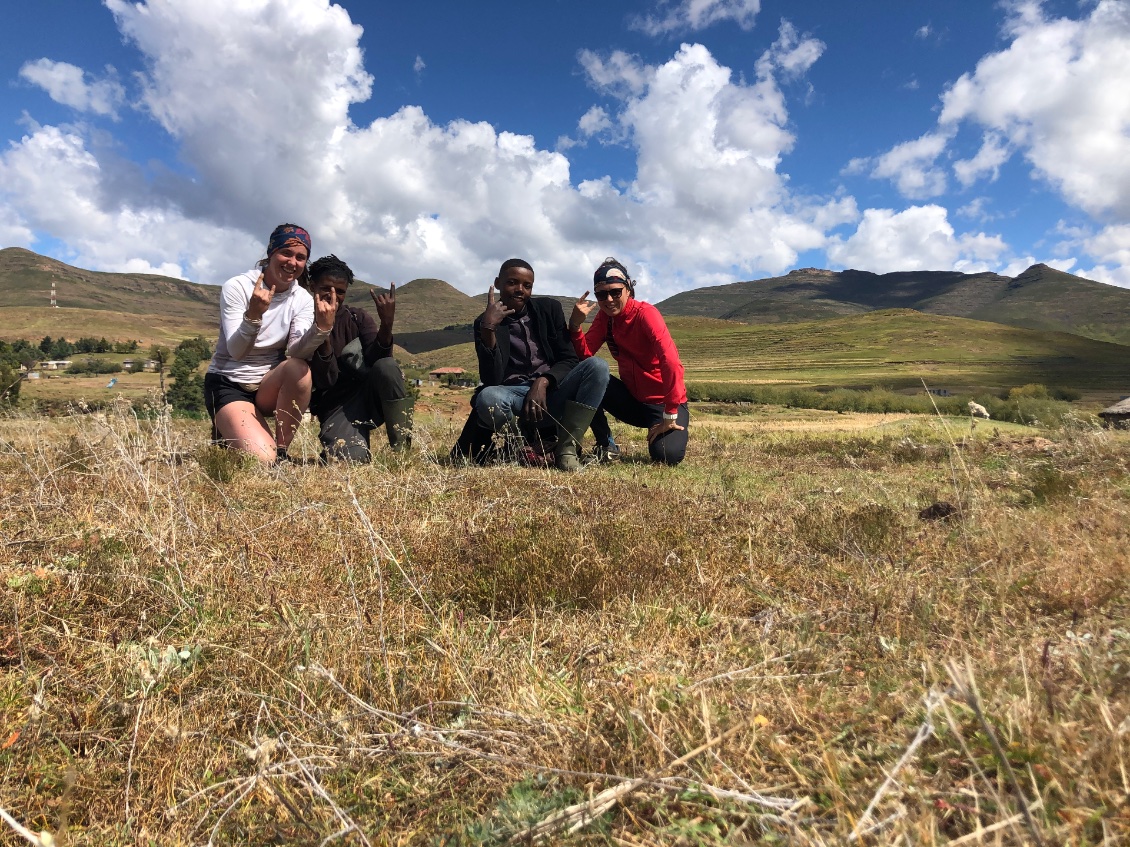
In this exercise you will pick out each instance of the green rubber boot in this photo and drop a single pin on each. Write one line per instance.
(398, 422)
(570, 430)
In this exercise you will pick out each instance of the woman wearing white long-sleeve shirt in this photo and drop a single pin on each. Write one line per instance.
(267, 333)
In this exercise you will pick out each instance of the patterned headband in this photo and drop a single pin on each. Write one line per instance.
(283, 235)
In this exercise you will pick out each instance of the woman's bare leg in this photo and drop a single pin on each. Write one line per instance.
(243, 428)
(285, 393)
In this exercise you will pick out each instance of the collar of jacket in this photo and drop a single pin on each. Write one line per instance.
(631, 309)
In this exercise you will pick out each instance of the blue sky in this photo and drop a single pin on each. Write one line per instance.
(699, 141)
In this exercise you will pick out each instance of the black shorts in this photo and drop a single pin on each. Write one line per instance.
(219, 391)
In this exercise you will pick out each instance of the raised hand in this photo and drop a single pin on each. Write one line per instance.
(386, 304)
(495, 312)
(325, 308)
(261, 296)
(581, 310)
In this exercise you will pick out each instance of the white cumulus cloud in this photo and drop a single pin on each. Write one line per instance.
(57, 186)
(1055, 94)
(994, 152)
(67, 84)
(791, 54)
(403, 196)
(708, 149)
(912, 166)
(593, 121)
(693, 15)
(917, 238)
(1111, 247)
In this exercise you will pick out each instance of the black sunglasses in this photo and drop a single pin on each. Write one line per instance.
(614, 293)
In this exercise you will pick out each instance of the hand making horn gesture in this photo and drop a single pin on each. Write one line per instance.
(325, 308)
(581, 310)
(495, 312)
(260, 299)
(385, 303)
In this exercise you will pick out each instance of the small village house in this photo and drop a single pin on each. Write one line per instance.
(1118, 415)
(452, 376)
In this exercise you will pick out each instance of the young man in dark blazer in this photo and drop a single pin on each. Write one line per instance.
(529, 368)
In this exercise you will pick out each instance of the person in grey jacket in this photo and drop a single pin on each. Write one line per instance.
(357, 384)
(259, 368)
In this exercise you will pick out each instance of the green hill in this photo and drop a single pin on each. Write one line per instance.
(118, 306)
(422, 305)
(811, 326)
(1040, 298)
(898, 349)
(1044, 298)
(158, 308)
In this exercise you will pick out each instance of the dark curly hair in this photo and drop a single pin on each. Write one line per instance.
(330, 266)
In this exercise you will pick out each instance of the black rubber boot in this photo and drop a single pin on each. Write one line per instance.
(570, 430)
(398, 422)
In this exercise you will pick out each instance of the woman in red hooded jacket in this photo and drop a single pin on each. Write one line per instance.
(649, 392)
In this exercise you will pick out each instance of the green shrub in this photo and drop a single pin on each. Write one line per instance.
(90, 365)
(1033, 390)
(186, 394)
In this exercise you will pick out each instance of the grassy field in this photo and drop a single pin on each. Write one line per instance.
(780, 641)
(72, 324)
(897, 349)
(63, 388)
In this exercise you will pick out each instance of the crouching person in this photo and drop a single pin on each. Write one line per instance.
(649, 392)
(528, 367)
(357, 384)
(259, 368)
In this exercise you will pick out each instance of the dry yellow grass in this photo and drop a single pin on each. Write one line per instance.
(765, 644)
(814, 421)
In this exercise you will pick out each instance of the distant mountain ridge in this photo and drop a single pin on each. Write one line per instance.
(1041, 298)
(158, 308)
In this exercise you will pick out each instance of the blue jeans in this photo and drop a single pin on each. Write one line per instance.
(498, 405)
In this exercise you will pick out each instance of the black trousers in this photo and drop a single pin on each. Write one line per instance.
(345, 428)
(669, 448)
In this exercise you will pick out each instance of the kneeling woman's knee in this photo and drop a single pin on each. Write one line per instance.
(669, 448)
(668, 454)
